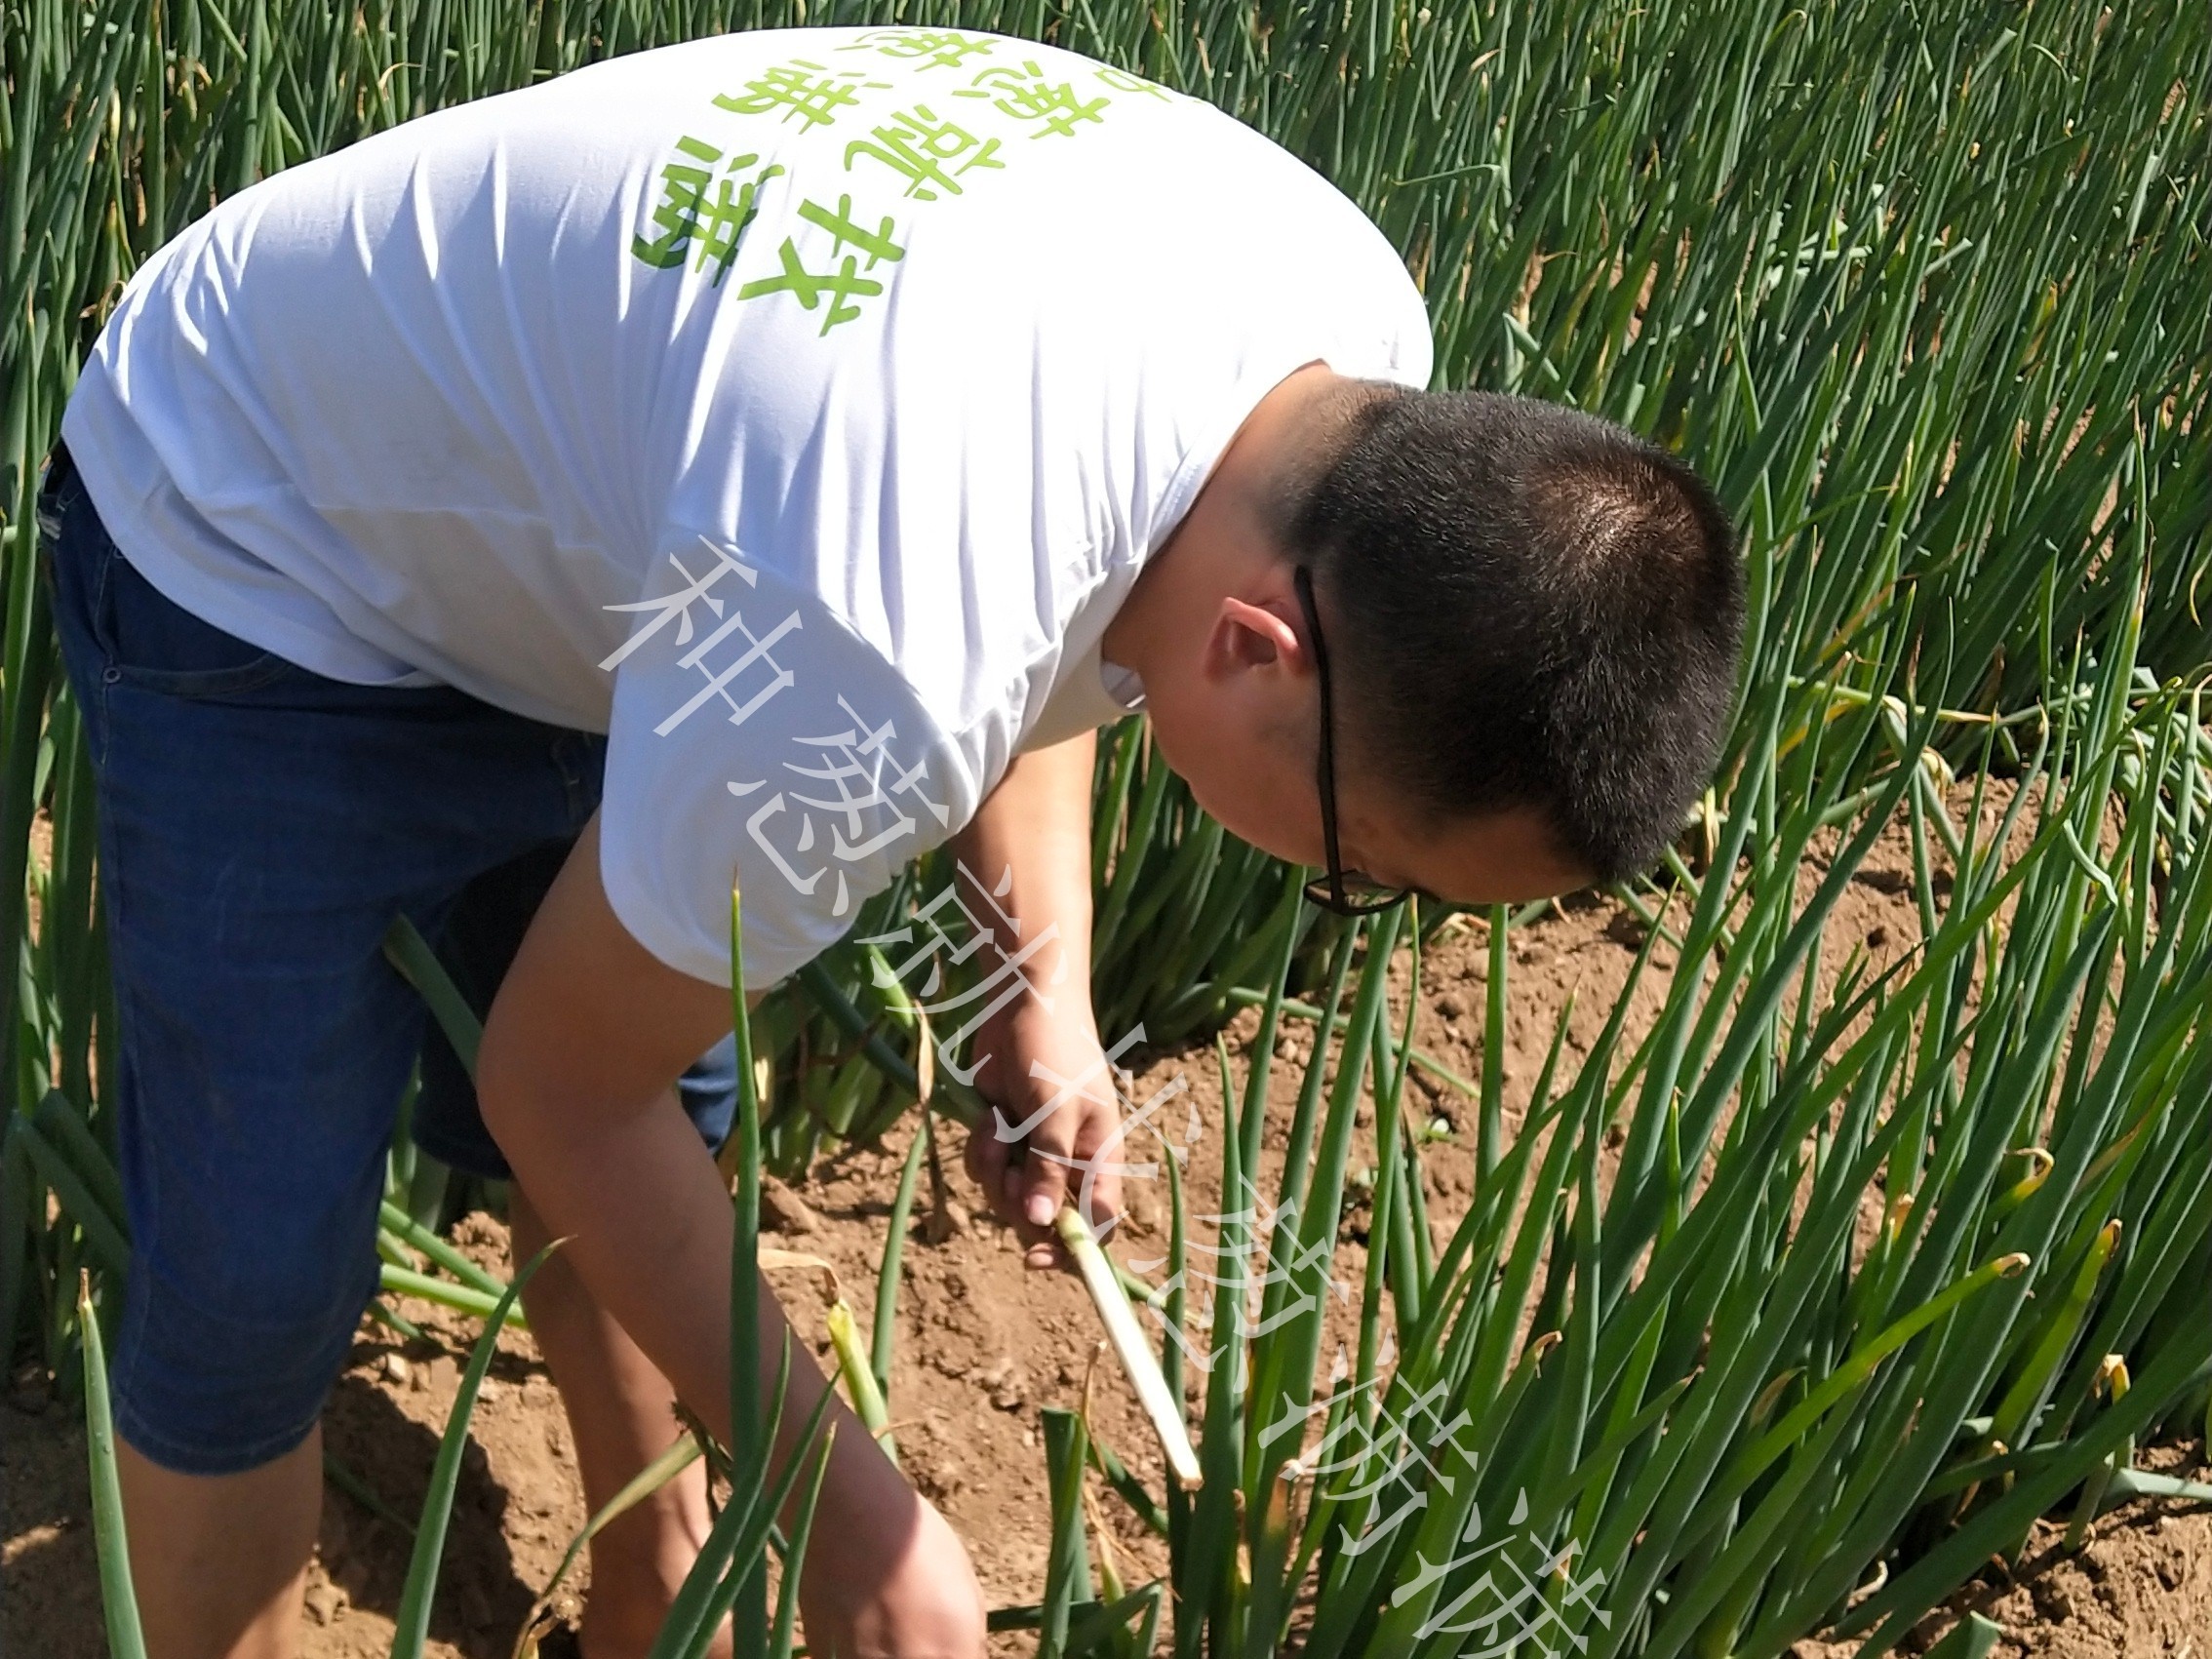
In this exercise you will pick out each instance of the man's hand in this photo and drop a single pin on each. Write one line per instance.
(1055, 1132)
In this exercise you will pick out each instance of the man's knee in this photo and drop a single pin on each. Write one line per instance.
(220, 1381)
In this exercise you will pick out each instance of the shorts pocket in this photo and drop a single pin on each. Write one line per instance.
(153, 642)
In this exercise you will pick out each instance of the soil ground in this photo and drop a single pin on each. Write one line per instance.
(982, 1344)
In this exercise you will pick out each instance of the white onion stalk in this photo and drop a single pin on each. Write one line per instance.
(1127, 1337)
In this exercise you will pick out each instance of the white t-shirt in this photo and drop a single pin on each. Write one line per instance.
(795, 406)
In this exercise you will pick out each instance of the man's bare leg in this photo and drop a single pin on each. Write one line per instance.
(219, 1561)
(622, 1413)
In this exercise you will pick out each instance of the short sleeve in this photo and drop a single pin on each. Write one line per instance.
(755, 739)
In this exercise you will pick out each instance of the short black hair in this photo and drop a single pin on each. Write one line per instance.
(1526, 606)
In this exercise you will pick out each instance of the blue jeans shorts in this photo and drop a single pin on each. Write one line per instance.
(260, 826)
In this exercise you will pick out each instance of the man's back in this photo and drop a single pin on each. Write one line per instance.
(935, 335)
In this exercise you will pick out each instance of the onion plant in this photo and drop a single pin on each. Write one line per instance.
(1681, 1411)
(1919, 289)
(1923, 291)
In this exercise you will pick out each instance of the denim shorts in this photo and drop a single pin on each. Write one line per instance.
(260, 826)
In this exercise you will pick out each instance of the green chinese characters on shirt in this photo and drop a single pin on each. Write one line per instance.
(931, 148)
(843, 282)
(700, 213)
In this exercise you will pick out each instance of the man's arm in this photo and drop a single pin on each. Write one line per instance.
(575, 1077)
(1033, 833)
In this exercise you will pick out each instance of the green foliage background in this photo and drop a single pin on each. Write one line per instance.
(1924, 288)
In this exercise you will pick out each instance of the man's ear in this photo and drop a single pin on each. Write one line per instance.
(1245, 635)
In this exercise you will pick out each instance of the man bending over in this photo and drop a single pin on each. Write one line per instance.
(762, 459)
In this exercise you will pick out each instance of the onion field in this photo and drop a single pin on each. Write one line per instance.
(1927, 291)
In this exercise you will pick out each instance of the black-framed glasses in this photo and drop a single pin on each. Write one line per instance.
(1348, 892)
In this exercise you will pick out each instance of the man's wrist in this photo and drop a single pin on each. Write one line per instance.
(1020, 1030)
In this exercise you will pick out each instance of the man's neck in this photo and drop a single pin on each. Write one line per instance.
(1230, 533)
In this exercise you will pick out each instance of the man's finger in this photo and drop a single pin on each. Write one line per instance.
(1045, 1187)
(987, 1167)
(1004, 1175)
(1102, 1205)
